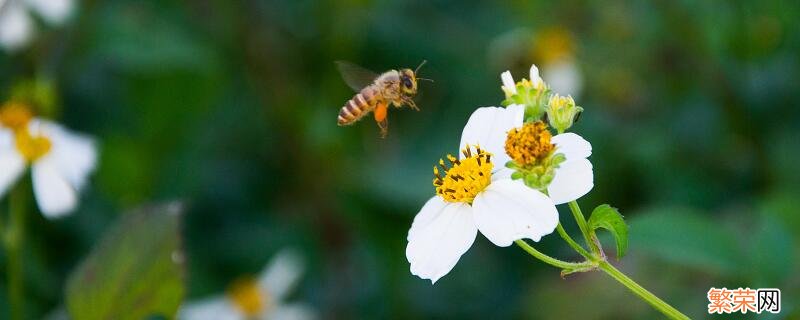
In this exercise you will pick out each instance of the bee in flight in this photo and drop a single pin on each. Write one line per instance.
(376, 93)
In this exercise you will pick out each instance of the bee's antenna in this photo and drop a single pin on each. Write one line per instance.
(425, 79)
(420, 66)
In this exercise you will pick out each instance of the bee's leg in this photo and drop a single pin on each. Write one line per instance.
(411, 104)
(384, 126)
(381, 118)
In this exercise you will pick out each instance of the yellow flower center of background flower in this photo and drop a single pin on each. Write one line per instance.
(529, 144)
(32, 147)
(464, 178)
(553, 44)
(248, 296)
(15, 115)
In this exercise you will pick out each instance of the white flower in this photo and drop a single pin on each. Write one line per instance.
(510, 87)
(261, 298)
(60, 163)
(473, 195)
(564, 77)
(16, 24)
(574, 177)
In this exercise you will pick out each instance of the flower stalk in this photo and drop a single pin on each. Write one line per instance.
(567, 266)
(13, 239)
(588, 234)
(647, 296)
(564, 235)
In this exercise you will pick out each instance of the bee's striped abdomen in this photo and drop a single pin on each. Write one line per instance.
(357, 107)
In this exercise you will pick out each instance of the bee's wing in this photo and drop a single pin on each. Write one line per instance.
(355, 76)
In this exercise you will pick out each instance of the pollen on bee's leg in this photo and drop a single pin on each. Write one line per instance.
(380, 112)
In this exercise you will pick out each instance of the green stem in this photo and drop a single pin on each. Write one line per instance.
(14, 237)
(654, 301)
(550, 260)
(572, 242)
(588, 235)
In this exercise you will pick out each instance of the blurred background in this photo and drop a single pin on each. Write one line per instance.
(692, 110)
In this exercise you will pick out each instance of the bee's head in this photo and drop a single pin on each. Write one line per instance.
(408, 81)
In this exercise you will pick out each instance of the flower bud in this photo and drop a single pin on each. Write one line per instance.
(562, 112)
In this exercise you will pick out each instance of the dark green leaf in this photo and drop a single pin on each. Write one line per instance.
(607, 217)
(136, 270)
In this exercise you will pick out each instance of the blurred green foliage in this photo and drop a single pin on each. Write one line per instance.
(230, 105)
(135, 271)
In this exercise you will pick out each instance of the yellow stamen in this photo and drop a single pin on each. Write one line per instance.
(248, 296)
(465, 178)
(529, 143)
(15, 115)
(32, 147)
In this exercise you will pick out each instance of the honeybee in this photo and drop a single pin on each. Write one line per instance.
(376, 93)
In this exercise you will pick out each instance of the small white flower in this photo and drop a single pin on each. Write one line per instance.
(16, 24)
(60, 163)
(510, 87)
(473, 195)
(261, 298)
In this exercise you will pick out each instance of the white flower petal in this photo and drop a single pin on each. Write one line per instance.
(572, 146)
(564, 77)
(508, 82)
(16, 26)
(574, 178)
(12, 165)
(430, 210)
(216, 308)
(502, 174)
(54, 194)
(52, 11)
(508, 210)
(281, 275)
(488, 127)
(74, 155)
(436, 244)
(534, 74)
(293, 311)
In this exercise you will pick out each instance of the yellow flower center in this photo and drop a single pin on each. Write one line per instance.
(248, 296)
(529, 144)
(464, 178)
(32, 147)
(15, 115)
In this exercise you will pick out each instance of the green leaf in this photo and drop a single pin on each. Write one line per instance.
(607, 217)
(134, 272)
